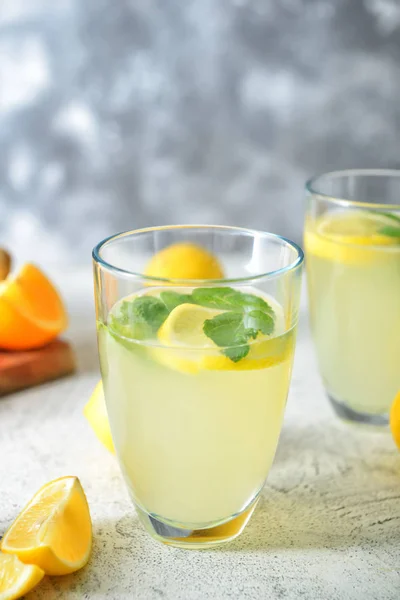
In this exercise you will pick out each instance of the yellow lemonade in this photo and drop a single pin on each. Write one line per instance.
(353, 272)
(195, 420)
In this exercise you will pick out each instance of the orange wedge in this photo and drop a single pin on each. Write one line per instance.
(395, 420)
(54, 531)
(17, 579)
(31, 310)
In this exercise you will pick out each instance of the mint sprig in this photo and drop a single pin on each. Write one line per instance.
(244, 316)
(390, 231)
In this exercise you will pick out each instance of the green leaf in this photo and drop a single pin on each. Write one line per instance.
(259, 321)
(140, 318)
(173, 299)
(390, 231)
(227, 329)
(246, 316)
(236, 353)
(226, 298)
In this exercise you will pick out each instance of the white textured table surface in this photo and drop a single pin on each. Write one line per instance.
(327, 527)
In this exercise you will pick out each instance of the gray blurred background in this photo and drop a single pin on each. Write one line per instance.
(117, 114)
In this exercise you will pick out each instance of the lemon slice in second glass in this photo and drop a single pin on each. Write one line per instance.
(351, 237)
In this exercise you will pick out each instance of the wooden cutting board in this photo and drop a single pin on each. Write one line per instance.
(20, 370)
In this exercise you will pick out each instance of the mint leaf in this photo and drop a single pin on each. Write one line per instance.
(149, 310)
(226, 298)
(227, 329)
(390, 231)
(139, 318)
(247, 316)
(173, 299)
(237, 353)
(256, 320)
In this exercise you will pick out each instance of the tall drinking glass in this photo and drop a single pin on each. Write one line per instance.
(196, 374)
(352, 243)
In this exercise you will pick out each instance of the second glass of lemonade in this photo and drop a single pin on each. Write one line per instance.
(352, 243)
(196, 372)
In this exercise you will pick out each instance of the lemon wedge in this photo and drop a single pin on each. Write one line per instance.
(54, 531)
(95, 412)
(16, 578)
(348, 237)
(395, 420)
(184, 261)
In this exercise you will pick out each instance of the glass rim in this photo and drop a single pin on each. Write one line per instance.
(389, 173)
(296, 263)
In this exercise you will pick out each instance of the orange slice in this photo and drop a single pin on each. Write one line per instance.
(54, 531)
(395, 420)
(31, 310)
(17, 579)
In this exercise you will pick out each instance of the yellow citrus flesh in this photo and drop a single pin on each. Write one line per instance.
(350, 238)
(184, 261)
(95, 412)
(16, 578)
(395, 420)
(181, 333)
(54, 531)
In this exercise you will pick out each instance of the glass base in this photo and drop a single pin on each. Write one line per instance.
(196, 539)
(348, 414)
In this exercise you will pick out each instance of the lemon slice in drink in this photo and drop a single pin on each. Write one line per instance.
(184, 326)
(349, 237)
(183, 338)
(187, 349)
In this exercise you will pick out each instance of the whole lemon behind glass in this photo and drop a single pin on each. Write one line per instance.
(184, 261)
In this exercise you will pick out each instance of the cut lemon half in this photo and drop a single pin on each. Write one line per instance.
(95, 412)
(184, 261)
(348, 237)
(395, 420)
(54, 531)
(16, 578)
(32, 312)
